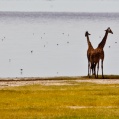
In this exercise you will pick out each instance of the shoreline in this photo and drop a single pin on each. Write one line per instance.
(15, 82)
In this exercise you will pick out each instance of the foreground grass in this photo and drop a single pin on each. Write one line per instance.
(81, 100)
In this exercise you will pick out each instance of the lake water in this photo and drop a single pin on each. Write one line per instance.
(44, 44)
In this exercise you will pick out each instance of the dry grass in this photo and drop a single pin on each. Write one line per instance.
(79, 100)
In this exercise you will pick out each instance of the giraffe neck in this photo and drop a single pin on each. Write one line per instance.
(102, 43)
(89, 43)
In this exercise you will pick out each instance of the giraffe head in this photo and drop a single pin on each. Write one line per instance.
(109, 30)
(86, 34)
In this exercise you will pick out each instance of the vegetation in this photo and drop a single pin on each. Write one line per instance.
(100, 76)
(61, 78)
(80, 100)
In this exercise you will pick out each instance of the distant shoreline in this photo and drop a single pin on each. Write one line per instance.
(56, 12)
(62, 15)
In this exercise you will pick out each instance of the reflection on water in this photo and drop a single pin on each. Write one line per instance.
(53, 44)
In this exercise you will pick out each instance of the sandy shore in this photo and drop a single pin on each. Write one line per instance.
(32, 81)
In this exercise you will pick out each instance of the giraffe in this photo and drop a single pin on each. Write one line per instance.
(98, 53)
(90, 48)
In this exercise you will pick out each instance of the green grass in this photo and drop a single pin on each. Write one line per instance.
(100, 77)
(55, 102)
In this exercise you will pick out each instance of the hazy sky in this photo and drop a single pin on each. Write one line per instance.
(60, 5)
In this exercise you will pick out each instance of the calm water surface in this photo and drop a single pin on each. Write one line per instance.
(41, 44)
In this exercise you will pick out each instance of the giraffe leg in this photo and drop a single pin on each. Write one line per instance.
(88, 69)
(95, 73)
(97, 69)
(94, 69)
(102, 69)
